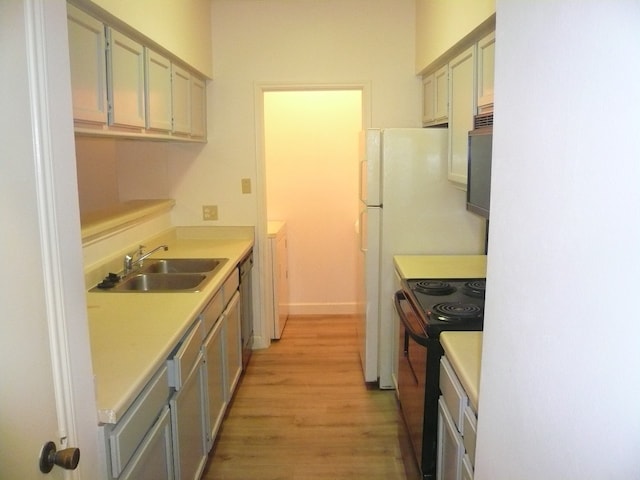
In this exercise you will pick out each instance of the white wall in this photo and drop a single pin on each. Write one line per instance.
(311, 157)
(291, 42)
(182, 27)
(441, 24)
(560, 381)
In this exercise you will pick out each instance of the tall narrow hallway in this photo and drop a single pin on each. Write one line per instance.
(303, 412)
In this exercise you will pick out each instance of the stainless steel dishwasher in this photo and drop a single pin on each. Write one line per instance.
(246, 308)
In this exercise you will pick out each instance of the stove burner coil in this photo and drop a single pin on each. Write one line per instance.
(434, 287)
(475, 288)
(450, 311)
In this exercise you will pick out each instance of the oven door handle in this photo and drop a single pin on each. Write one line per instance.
(405, 311)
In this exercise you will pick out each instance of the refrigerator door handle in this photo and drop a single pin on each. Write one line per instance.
(363, 230)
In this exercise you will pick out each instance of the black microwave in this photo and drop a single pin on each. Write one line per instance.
(479, 165)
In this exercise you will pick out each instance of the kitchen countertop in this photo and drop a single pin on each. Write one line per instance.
(441, 266)
(133, 334)
(464, 352)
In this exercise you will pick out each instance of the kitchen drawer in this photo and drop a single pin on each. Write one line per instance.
(184, 359)
(453, 393)
(470, 429)
(212, 313)
(230, 285)
(129, 432)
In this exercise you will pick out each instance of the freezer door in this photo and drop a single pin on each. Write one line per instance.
(370, 168)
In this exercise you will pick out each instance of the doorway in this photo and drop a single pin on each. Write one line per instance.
(311, 165)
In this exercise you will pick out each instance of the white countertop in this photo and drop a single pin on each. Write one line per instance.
(132, 334)
(464, 352)
(441, 266)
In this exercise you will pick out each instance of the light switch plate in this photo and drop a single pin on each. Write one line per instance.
(209, 212)
(246, 185)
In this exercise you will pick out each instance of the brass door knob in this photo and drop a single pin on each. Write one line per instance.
(67, 458)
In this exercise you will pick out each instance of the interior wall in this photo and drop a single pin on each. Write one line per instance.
(311, 164)
(97, 171)
(440, 25)
(183, 27)
(560, 389)
(291, 42)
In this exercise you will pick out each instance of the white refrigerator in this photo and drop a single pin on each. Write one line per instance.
(407, 206)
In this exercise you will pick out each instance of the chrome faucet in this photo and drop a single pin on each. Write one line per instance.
(129, 258)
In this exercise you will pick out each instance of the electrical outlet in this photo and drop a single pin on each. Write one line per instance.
(246, 185)
(209, 212)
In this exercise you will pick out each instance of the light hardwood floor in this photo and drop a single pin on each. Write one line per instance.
(303, 412)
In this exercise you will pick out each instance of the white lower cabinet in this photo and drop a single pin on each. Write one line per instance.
(216, 401)
(233, 343)
(456, 428)
(450, 446)
(467, 469)
(154, 459)
(170, 428)
(128, 441)
(188, 425)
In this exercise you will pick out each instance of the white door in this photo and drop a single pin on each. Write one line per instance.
(45, 367)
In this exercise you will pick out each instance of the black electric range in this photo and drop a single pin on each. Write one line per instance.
(426, 308)
(449, 304)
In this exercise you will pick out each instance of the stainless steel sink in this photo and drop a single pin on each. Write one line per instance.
(154, 282)
(182, 265)
(165, 275)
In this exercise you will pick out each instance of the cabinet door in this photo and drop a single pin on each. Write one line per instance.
(198, 107)
(486, 56)
(181, 100)
(467, 469)
(428, 99)
(450, 448)
(88, 67)
(233, 343)
(462, 95)
(441, 94)
(154, 458)
(158, 91)
(215, 381)
(126, 75)
(187, 423)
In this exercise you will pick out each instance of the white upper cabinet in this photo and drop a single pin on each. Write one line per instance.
(122, 87)
(181, 100)
(428, 99)
(125, 70)
(88, 67)
(441, 94)
(158, 91)
(198, 107)
(435, 94)
(462, 107)
(486, 56)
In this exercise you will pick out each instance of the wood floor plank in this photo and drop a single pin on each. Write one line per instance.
(302, 411)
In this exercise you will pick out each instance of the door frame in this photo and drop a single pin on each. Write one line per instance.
(263, 332)
(50, 185)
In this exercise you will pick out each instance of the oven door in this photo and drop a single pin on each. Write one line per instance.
(418, 384)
